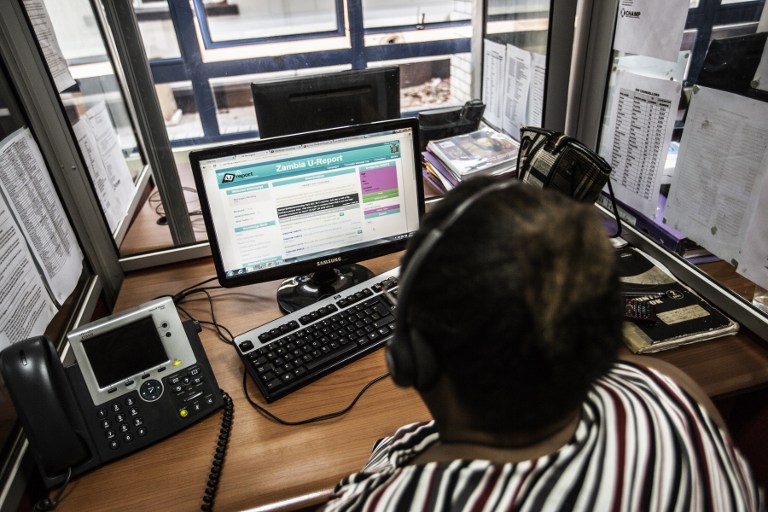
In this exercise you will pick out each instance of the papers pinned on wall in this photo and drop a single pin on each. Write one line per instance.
(717, 195)
(643, 116)
(49, 44)
(653, 28)
(513, 87)
(100, 146)
(39, 214)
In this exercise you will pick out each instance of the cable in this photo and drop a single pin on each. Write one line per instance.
(615, 211)
(225, 430)
(226, 336)
(51, 504)
(182, 293)
(315, 419)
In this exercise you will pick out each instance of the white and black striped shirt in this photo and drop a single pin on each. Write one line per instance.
(641, 444)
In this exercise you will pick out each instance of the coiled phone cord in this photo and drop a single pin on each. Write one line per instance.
(218, 457)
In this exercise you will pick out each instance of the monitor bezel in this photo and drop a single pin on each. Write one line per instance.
(323, 261)
(272, 98)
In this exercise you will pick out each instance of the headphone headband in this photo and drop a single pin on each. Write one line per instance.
(410, 359)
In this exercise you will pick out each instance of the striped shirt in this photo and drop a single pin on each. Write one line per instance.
(642, 443)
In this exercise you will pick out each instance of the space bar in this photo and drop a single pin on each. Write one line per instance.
(322, 361)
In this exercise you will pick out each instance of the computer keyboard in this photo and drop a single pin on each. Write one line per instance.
(288, 353)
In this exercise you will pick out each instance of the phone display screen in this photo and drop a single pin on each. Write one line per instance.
(122, 353)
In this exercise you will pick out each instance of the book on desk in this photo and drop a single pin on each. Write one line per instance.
(449, 161)
(681, 316)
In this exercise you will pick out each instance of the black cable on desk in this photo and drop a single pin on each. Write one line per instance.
(222, 332)
(315, 419)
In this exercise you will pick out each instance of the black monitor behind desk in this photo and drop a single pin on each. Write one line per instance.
(273, 467)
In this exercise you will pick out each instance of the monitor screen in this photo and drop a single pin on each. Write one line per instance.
(326, 100)
(310, 203)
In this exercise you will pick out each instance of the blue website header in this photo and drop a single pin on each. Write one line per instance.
(295, 167)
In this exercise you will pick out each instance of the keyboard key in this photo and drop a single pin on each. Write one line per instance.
(338, 354)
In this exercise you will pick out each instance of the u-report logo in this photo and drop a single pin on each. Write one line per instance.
(228, 178)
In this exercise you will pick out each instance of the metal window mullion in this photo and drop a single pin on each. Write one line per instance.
(560, 40)
(183, 20)
(357, 33)
(591, 67)
(130, 48)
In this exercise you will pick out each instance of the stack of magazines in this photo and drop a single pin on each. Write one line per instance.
(449, 161)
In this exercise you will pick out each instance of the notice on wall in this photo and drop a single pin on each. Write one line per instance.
(517, 83)
(643, 114)
(494, 56)
(535, 112)
(713, 194)
(35, 205)
(653, 28)
(41, 24)
(753, 260)
(523, 90)
(111, 177)
(26, 307)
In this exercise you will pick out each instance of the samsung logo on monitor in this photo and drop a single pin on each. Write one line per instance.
(328, 261)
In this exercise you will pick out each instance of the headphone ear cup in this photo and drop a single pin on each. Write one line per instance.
(400, 361)
(411, 361)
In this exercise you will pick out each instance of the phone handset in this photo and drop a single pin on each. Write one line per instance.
(47, 408)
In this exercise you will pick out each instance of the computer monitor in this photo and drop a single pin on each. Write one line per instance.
(308, 206)
(326, 100)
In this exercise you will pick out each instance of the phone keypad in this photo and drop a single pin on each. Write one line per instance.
(121, 421)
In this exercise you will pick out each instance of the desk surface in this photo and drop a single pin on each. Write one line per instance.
(270, 466)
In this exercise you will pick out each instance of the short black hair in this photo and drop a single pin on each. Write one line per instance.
(519, 301)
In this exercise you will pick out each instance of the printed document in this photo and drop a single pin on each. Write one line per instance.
(643, 115)
(25, 306)
(517, 83)
(653, 28)
(753, 261)
(100, 145)
(722, 157)
(33, 200)
(493, 82)
(46, 36)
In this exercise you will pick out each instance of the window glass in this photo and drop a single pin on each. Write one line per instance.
(397, 13)
(523, 23)
(660, 149)
(156, 28)
(258, 19)
(177, 103)
(79, 38)
(234, 104)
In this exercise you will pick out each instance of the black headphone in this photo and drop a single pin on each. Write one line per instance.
(410, 359)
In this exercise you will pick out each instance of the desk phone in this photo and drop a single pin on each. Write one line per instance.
(139, 376)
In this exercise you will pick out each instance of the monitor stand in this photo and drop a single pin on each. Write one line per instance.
(301, 291)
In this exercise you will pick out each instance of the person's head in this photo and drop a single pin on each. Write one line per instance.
(517, 303)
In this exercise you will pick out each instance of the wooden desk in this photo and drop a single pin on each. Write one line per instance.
(268, 464)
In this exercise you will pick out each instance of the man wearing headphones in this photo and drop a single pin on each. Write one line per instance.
(508, 326)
